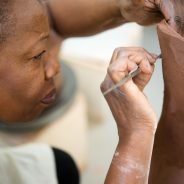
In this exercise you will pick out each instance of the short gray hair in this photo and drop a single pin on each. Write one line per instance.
(6, 19)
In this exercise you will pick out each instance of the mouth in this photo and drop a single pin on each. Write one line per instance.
(50, 98)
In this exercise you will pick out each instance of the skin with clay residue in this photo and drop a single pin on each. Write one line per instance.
(136, 121)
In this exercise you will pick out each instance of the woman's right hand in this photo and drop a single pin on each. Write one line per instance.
(135, 118)
(128, 104)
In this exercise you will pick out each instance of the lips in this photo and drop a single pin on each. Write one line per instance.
(49, 98)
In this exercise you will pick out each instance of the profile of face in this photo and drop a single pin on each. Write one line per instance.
(26, 70)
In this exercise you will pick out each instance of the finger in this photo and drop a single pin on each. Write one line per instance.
(132, 66)
(167, 9)
(142, 62)
(114, 55)
(142, 51)
(152, 57)
(122, 66)
(146, 70)
(128, 51)
(140, 55)
(143, 78)
(131, 51)
(119, 69)
(172, 10)
(106, 84)
(120, 52)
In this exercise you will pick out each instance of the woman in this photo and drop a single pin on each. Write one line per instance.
(30, 36)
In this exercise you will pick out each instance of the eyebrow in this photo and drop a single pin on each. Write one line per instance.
(44, 36)
(41, 38)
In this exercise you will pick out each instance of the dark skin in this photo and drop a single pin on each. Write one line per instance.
(27, 80)
(31, 76)
(167, 161)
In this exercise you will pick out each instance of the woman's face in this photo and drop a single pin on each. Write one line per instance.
(26, 72)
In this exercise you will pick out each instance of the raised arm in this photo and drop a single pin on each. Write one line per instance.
(136, 121)
(86, 17)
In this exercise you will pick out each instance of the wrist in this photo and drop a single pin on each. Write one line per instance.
(140, 131)
(136, 137)
(137, 145)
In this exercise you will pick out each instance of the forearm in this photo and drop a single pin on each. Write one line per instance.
(131, 161)
(84, 17)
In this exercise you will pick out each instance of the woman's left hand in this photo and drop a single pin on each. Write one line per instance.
(146, 12)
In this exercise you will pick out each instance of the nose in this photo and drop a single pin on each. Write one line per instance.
(52, 68)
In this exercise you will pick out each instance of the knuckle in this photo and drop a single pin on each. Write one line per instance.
(116, 50)
(141, 49)
(103, 86)
(123, 51)
(119, 50)
(111, 70)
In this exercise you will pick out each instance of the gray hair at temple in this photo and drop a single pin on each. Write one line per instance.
(7, 21)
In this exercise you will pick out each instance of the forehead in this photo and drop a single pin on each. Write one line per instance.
(30, 23)
(30, 16)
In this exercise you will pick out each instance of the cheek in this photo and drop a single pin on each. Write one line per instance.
(21, 91)
(23, 84)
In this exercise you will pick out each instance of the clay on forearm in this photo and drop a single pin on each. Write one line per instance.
(168, 160)
(131, 161)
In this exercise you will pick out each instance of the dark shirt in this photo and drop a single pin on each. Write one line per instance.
(67, 172)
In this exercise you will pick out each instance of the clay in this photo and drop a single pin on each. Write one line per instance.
(168, 155)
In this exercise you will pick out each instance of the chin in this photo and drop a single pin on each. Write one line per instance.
(31, 117)
(23, 118)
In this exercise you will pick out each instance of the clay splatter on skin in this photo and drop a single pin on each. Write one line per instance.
(130, 167)
(116, 154)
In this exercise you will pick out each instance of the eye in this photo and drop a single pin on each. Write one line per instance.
(39, 56)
